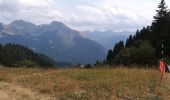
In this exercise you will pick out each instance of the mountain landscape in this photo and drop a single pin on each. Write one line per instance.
(84, 50)
(107, 38)
(55, 40)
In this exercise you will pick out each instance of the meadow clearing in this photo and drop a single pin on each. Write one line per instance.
(82, 84)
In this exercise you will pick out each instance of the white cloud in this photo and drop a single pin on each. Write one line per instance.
(82, 14)
(8, 5)
(37, 11)
(35, 3)
(102, 17)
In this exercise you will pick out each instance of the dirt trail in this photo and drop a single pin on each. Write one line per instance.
(12, 91)
(9, 91)
(165, 87)
(35, 74)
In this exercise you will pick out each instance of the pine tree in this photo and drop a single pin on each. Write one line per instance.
(109, 57)
(158, 28)
(129, 41)
(156, 33)
(167, 45)
(162, 12)
(137, 36)
(112, 53)
(14, 55)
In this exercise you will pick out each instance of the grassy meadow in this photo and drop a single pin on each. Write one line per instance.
(86, 84)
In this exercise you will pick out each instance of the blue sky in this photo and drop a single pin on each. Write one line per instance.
(116, 15)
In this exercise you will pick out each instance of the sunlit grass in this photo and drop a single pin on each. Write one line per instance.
(76, 84)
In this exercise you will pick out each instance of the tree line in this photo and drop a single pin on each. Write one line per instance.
(15, 55)
(145, 47)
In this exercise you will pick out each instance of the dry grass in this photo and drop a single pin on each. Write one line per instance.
(85, 84)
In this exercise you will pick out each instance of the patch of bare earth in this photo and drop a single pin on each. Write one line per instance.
(10, 91)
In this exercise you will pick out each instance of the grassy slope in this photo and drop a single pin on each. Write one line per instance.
(85, 84)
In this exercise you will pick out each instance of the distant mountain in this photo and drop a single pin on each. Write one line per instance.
(14, 55)
(55, 40)
(107, 38)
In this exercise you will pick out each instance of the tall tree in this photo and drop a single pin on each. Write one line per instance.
(138, 49)
(109, 57)
(129, 41)
(168, 37)
(112, 53)
(158, 28)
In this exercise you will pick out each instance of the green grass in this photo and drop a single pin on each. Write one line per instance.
(85, 84)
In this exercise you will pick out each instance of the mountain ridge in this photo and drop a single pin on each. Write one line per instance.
(55, 40)
(107, 38)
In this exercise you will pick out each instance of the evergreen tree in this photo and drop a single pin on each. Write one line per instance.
(129, 41)
(118, 47)
(137, 36)
(14, 55)
(159, 29)
(167, 45)
(112, 53)
(109, 57)
(145, 33)
(138, 49)
(141, 53)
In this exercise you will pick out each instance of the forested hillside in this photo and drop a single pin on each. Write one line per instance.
(146, 45)
(56, 40)
(14, 55)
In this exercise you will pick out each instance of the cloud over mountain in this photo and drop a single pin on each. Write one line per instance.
(82, 14)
